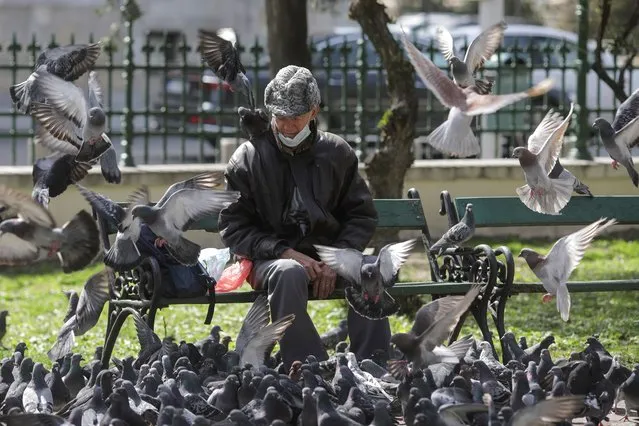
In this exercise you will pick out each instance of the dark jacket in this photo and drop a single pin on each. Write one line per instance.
(339, 204)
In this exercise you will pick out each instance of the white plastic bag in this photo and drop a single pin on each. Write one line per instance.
(214, 261)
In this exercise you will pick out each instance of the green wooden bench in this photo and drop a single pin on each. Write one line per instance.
(141, 290)
(492, 212)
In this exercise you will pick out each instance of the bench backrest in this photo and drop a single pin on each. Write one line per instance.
(510, 211)
(402, 213)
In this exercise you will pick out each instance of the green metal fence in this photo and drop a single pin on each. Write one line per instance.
(165, 107)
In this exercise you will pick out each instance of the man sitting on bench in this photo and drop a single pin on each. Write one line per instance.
(300, 186)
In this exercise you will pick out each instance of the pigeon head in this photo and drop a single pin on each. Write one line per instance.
(144, 212)
(4, 314)
(603, 126)
(404, 341)
(26, 366)
(530, 256)
(547, 341)
(15, 226)
(485, 346)
(556, 371)
(97, 116)
(522, 152)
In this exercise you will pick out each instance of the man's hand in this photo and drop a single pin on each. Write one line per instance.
(324, 285)
(313, 267)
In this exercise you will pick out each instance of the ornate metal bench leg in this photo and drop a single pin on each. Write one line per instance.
(502, 294)
(112, 335)
(151, 285)
(486, 272)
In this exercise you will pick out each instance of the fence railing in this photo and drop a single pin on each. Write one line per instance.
(164, 106)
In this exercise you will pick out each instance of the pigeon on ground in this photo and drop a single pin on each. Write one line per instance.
(369, 276)
(480, 50)
(458, 234)
(425, 349)
(3, 325)
(457, 137)
(65, 62)
(34, 235)
(619, 142)
(257, 336)
(223, 58)
(542, 194)
(86, 315)
(629, 392)
(53, 174)
(37, 397)
(559, 172)
(255, 122)
(173, 215)
(71, 119)
(555, 268)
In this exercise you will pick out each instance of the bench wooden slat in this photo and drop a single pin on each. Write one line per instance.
(510, 211)
(401, 213)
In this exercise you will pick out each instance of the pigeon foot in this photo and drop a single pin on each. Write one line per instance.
(55, 247)
(160, 242)
(547, 298)
(615, 164)
(536, 192)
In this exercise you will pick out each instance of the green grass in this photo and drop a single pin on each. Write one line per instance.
(37, 305)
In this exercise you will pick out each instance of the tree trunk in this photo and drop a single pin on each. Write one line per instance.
(287, 31)
(387, 168)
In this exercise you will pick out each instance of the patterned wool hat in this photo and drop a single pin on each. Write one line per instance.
(292, 92)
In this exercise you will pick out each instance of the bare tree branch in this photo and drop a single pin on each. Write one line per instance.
(631, 25)
(630, 51)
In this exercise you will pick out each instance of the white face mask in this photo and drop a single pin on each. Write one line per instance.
(295, 141)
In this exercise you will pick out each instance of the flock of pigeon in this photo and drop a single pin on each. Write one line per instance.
(417, 381)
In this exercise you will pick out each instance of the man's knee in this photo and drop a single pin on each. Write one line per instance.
(289, 273)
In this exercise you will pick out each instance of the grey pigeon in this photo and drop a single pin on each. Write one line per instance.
(560, 172)
(626, 112)
(94, 296)
(37, 397)
(70, 118)
(457, 136)
(554, 269)
(254, 122)
(433, 311)
(480, 50)
(542, 194)
(619, 142)
(256, 336)
(223, 58)
(59, 390)
(3, 325)
(458, 234)
(65, 62)
(426, 349)
(549, 411)
(33, 420)
(34, 235)
(327, 415)
(53, 174)
(629, 391)
(74, 380)
(369, 276)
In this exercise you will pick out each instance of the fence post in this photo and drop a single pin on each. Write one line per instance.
(126, 158)
(583, 128)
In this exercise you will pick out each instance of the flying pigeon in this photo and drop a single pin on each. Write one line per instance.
(65, 62)
(124, 253)
(108, 160)
(549, 411)
(425, 349)
(256, 335)
(480, 50)
(86, 315)
(33, 235)
(456, 137)
(619, 140)
(173, 215)
(542, 194)
(53, 174)
(554, 269)
(70, 118)
(458, 233)
(254, 122)
(369, 275)
(223, 58)
(559, 172)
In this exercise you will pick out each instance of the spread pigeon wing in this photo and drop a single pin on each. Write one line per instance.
(549, 152)
(256, 318)
(626, 112)
(16, 251)
(567, 252)
(484, 46)
(46, 139)
(104, 206)
(60, 128)
(218, 52)
(544, 130)
(72, 61)
(629, 134)
(434, 311)
(347, 263)
(66, 97)
(253, 352)
(445, 42)
(552, 410)
(392, 257)
(92, 299)
(149, 341)
(27, 209)
(444, 89)
(188, 205)
(96, 95)
(209, 180)
(487, 104)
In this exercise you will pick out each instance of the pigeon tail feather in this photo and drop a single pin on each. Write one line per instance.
(563, 301)
(551, 201)
(20, 95)
(81, 242)
(455, 140)
(445, 355)
(186, 252)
